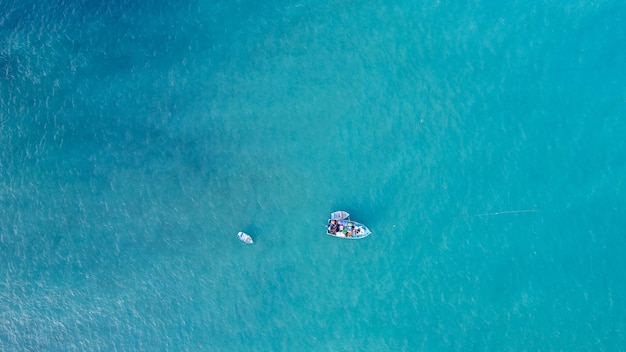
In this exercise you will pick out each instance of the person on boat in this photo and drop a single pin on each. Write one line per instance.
(333, 227)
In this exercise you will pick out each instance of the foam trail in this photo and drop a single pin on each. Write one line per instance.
(509, 212)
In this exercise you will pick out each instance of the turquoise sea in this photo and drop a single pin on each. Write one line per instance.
(482, 142)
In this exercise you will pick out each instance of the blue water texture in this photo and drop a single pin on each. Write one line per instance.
(482, 142)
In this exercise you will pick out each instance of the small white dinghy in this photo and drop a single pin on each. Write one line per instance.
(244, 237)
(339, 215)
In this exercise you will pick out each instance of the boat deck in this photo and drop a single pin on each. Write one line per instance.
(346, 229)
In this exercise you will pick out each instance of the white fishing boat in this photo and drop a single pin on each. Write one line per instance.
(244, 237)
(339, 225)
